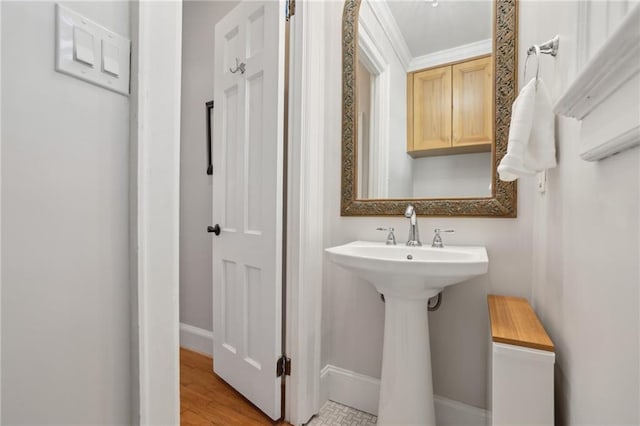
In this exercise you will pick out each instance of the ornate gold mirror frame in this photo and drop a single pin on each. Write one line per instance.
(504, 199)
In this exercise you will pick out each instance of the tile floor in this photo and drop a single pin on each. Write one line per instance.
(334, 414)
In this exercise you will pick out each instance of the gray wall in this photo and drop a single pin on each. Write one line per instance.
(198, 23)
(65, 289)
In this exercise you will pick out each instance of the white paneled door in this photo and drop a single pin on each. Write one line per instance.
(247, 200)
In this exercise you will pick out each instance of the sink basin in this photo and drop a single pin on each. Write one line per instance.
(408, 277)
(410, 272)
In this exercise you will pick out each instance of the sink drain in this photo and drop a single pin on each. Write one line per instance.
(409, 257)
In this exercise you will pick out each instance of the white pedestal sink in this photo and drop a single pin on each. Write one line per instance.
(408, 276)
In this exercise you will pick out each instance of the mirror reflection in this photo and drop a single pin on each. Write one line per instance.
(425, 111)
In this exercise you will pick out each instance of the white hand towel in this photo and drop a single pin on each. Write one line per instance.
(532, 146)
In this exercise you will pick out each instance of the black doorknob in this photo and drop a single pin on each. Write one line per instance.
(215, 229)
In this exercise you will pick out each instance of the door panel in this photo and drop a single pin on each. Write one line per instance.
(432, 109)
(472, 102)
(247, 201)
(254, 202)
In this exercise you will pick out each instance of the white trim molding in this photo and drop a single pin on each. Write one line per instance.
(388, 23)
(371, 57)
(305, 210)
(605, 95)
(459, 53)
(378, 66)
(155, 208)
(582, 46)
(196, 339)
(350, 388)
(361, 392)
(0, 211)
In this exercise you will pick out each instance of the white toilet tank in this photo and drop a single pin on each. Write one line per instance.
(522, 360)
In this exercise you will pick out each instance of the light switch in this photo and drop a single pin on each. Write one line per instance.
(91, 52)
(110, 54)
(83, 46)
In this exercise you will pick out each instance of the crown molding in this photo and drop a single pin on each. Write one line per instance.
(458, 53)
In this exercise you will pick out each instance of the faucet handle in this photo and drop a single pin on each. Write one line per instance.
(438, 230)
(391, 238)
(437, 239)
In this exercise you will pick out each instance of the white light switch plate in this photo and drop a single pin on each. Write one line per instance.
(90, 52)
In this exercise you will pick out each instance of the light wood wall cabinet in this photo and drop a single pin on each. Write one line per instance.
(450, 109)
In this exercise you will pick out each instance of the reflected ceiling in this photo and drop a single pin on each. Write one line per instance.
(427, 29)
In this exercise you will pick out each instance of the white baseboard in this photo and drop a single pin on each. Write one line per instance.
(361, 392)
(451, 413)
(196, 339)
(349, 388)
(324, 385)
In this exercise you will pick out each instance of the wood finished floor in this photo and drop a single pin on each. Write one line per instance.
(205, 399)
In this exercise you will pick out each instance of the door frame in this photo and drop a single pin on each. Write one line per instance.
(156, 32)
(378, 133)
(154, 211)
(0, 212)
(305, 210)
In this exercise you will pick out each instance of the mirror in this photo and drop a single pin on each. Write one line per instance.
(427, 93)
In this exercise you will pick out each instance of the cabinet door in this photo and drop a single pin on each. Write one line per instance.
(472, 102)
(431, 109)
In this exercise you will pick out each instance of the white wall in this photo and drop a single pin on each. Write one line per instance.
(199, 19)
(353, 314)
(586, 279)
(461, 175)
(65, 285)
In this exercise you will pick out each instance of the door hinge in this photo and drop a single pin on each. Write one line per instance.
(283, 366)
(291, 9)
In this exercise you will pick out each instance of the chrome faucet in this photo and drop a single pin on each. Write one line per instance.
(391, 238)
(437, 239)
(414, 234)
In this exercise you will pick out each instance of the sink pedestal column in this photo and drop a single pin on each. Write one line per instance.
(406, 386)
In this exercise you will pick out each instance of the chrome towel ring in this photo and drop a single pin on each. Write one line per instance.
(548, 48)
